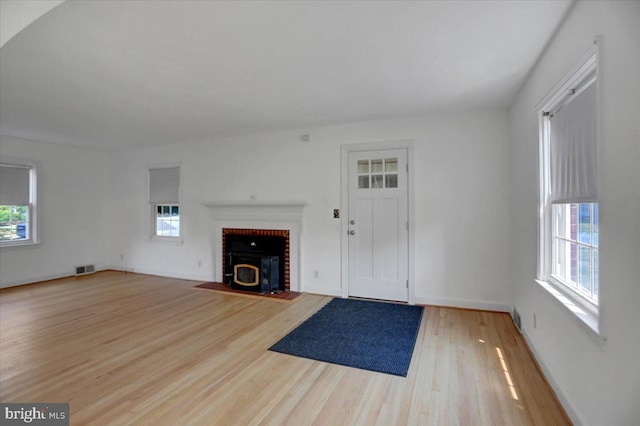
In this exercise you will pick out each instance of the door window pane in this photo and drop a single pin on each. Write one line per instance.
(363, 166)
(391, 181)
(378, 173)
(391, 165)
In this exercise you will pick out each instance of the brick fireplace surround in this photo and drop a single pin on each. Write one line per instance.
(261, 233)
(268, 216)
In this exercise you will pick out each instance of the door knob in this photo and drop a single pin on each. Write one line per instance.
(352, 222)
(352, 232)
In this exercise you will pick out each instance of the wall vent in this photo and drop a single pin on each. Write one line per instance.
(85, 269)
(516, 319)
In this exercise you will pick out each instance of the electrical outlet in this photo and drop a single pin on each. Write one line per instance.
(336, 213)
(121, 256)
(316, 275)
(199, 263)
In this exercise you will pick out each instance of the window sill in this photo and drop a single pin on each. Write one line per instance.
(585, 316)
(20, 244)
(175, 241)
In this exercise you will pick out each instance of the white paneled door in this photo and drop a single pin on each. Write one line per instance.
(378, 224)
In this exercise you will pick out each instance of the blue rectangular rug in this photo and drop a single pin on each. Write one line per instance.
(369, 335)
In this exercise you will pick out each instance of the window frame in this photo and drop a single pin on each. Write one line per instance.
(155, 223)
(584, 73)
(153, 232)
(590, 246)
(385, 175)
(32, 206)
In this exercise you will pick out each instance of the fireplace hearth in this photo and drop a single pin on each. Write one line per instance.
(256, 259)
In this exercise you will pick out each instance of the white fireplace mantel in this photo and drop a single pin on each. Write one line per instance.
(258, 210)
(258, 203)
(259, 214)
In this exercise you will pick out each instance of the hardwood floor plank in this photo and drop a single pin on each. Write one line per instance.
(138, 349)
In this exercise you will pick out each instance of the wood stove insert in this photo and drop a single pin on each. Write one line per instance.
(256, 259)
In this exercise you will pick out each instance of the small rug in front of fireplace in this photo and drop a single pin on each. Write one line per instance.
(372, 336)
(282, 296)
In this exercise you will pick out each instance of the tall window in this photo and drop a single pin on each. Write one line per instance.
(569, 233)
(17, 204)
(164, 191)
(575, 247)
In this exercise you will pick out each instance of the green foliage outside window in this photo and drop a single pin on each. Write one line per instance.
(11, 218)
(13, 213)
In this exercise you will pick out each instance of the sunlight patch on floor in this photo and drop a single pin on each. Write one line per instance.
(507, 375)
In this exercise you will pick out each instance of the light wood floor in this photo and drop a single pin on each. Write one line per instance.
(137, 349)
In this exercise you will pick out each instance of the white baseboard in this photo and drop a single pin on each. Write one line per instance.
(466, 304)
(33, 280)
(166, 274)
(337, 292)
(573, 416)
(322, 290)
(453, 303)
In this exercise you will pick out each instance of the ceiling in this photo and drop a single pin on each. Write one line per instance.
(119, 74)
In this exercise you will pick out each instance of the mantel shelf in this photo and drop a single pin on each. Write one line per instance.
(256, 203)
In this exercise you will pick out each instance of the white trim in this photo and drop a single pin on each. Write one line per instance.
(49, 277)
(577, 74)
(169, 165)
(287, 215)
(258, 210)
(34, 280)
(335, 291)
(568, 408)
(34, 201)
(162, 273)
(578, 309)
(344, 201)
(152, 206)
(176, 240)
(18, 244)
(465, 304)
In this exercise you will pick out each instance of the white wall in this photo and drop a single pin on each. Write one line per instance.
(462, 208)
(474, 218)
(74, 198)
(599, 383)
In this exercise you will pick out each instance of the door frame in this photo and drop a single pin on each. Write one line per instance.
(344, 201)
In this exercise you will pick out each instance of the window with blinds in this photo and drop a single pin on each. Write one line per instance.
(17, 203)
(569, 231)
(164, 197)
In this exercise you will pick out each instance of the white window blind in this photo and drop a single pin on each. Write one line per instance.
(14, 185)
(573, 150)
(164, 185)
